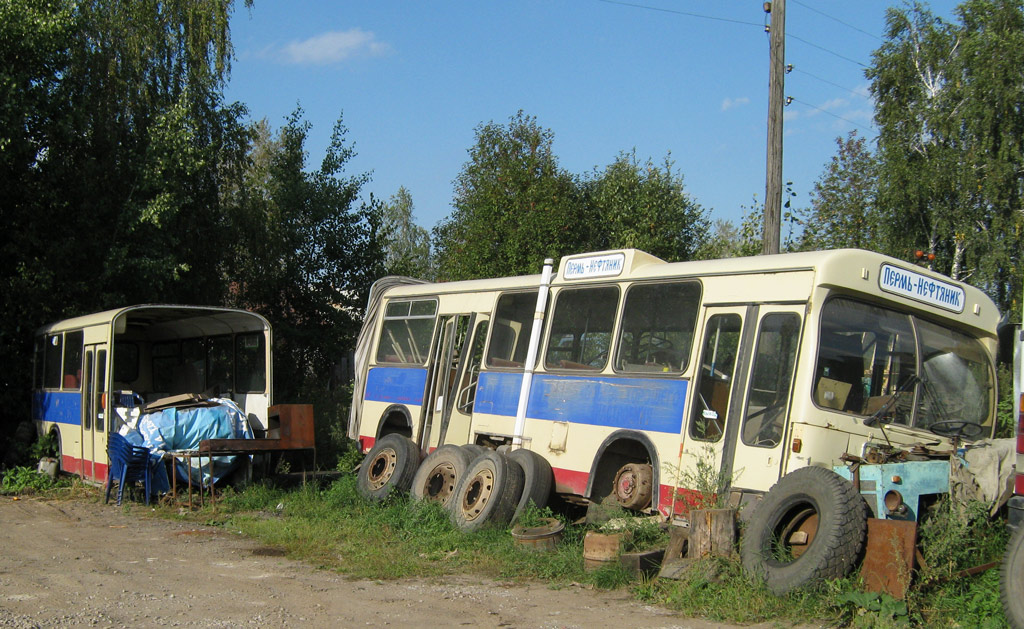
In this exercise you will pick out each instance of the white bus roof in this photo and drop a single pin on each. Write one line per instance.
(206, 320)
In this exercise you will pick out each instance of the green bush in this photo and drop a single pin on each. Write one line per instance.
(20, 480)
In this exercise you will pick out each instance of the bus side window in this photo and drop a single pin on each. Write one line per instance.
(511, 330)
(38, 362)
(657, 327)
(54, 354)
(714, 380)
(581, 328)
(72, 374)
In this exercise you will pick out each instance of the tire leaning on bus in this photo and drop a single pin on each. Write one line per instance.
(1012, 581)
(439, 474)
(489, 493)
(810, 526)
(388, 467)
(537, 479)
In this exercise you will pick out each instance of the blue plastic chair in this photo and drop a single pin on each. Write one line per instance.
(128, 464)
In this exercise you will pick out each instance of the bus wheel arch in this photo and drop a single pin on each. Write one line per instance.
(396, 419)
(811, 525)
(629, 458)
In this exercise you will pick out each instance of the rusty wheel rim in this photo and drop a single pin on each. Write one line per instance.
(382, 468)
(440, 483)
(477, 494)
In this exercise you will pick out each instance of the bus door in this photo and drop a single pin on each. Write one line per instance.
(446, 365)
(458, 407)
(758, 446)
(94, 442)
(717, 394)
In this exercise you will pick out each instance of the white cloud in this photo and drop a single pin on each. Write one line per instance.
(729, 103)
(334, 47)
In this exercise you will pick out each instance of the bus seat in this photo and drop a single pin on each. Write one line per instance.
(70, 381)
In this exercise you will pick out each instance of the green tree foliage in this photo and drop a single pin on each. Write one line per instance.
(513, 206)
(112, 140)
(306, 252)
(643, 206)
(951, 128)
(843, 211)
(406, 244)
(127, 179)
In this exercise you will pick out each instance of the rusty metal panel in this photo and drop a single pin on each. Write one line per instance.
(296, 425)
(889, 556)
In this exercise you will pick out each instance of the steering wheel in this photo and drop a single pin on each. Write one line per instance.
(956, 428)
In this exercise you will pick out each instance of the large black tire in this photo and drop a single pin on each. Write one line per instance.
(439, 474)
(489, 492)
(474, 450)
(537, 480)
(812, 503)
(1012, 583)
(388, 467)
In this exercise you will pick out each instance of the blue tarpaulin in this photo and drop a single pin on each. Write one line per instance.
(183, 428)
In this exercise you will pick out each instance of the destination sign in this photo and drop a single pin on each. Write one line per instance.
(608, 265)
(921, 288)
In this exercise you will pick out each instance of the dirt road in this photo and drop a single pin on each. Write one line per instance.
(82, 563)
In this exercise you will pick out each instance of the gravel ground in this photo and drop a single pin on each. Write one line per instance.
(83, 563)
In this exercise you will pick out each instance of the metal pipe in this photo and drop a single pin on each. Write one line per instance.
(531, 353)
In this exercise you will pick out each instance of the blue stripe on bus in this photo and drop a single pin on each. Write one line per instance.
(654, 404)
(397, 385)
(54, 406)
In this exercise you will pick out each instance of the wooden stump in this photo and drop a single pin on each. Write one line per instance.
(712, 532)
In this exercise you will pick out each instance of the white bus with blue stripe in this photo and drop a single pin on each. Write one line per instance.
(647, 372)
(93, 372)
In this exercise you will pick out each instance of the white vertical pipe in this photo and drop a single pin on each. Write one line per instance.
(531, 353)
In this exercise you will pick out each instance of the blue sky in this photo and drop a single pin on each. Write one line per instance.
(414, 79)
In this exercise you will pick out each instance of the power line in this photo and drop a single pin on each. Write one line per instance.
(859, 30)
(686, 13)
(822, 48)
(825, 111)
(854, 92)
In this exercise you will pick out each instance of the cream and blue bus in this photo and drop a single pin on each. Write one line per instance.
(93, 373)
(630, 377)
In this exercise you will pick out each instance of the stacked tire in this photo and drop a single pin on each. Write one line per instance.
(478, 486)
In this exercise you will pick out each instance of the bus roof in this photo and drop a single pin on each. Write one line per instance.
(221, 320)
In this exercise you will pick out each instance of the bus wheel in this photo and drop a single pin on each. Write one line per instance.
(809, 526)
(440, 473)
(537, 479)
(633, 486)
(489, 492)
(1013, 580)
(389, 466)
(474, 450)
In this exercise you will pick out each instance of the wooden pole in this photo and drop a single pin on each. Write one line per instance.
(776, 101)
